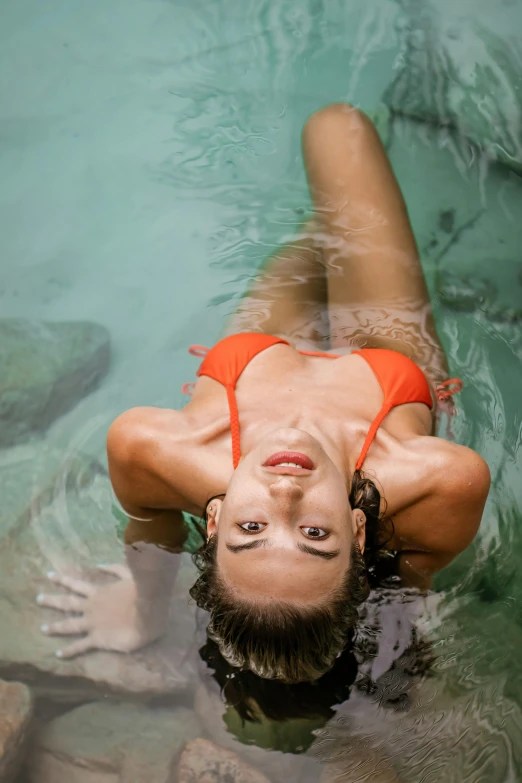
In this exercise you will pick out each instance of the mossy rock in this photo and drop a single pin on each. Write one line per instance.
(46, 368)
(466, 76)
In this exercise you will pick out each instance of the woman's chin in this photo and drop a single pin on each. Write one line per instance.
(289, 439)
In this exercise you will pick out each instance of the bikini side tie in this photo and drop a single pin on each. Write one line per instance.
(200, 351)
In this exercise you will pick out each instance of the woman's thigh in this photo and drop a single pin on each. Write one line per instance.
(287, 297)
(377, 295)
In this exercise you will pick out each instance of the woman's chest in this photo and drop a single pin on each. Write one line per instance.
(291, 383)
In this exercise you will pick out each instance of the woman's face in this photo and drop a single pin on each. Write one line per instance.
(286, 527)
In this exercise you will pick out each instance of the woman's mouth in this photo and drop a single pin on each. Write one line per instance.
(289, 459)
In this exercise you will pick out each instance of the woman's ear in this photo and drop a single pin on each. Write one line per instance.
(213, 514)
(359, 527)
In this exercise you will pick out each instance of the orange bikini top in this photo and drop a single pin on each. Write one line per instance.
(400, 379)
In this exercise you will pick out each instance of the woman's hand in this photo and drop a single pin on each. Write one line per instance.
(110, 615)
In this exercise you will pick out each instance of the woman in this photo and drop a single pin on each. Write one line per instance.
(278, 432)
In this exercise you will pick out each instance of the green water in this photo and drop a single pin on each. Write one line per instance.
(149, 162)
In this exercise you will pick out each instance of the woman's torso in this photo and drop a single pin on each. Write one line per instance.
(337, 398)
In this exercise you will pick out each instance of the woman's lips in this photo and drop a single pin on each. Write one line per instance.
(294, 457)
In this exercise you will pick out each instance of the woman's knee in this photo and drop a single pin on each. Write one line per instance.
(333, 117)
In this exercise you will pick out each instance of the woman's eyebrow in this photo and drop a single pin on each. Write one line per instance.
(310, 550)
(250, 545)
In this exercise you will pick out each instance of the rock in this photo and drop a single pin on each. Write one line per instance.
(466, 294)
(71, 529)
(473, 294)
(472, 660)
(32, 475)
(111, 743)
(15, 716)
(459, 221)
(203, 761)
(443, 737)
(360, 768)
(46, 369)
(472, 275)
(462, 723)
(461, 68)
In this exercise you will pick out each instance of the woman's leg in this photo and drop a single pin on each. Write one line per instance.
(377, 295)
(287, 298)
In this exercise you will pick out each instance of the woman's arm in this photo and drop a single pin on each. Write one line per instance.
(137, 465)
(151, 553)
(149, 466)
(133, 610)
(447, 520)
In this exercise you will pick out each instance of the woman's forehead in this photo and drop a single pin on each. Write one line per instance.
(279, 573)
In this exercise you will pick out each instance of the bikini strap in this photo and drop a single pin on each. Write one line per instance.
(444, 391)
(188, 388)
(198, 350)
(376, 423)
(447, 389)
(234, 425)
(194, 350)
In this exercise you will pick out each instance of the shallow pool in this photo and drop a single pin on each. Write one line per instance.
(150, 160)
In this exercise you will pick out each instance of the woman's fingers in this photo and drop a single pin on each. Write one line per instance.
(65, 627)
(76, 648)
(75, 585)
(64, 603)
(120, 571)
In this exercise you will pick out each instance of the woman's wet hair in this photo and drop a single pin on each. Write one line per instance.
(255, 697)
(279, 640)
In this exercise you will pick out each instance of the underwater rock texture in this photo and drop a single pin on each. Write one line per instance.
(464, 231)
(15, 717)
(111, 743)
(65, 524)
(459, 71)
(203, 761)
(472, 738)
(463, 721)
(33, 475)
(46, 368)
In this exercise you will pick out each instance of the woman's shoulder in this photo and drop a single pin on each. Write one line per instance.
(161, 458)
(456, 467)
(443, 521)
(136, 427)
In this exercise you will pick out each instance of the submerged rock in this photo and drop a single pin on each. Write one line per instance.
(32, 475)
(203, 761)
(120, 743)
(466, 294)
(15, 717)
(458, 71)
(473, 294)
(46, 368)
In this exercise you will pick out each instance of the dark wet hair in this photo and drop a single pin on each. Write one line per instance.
(253, 697)
(279, 640)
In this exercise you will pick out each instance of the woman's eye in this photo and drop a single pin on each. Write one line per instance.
(314, 532)
(252, 527)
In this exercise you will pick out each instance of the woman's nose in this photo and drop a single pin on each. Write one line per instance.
(285, 487)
